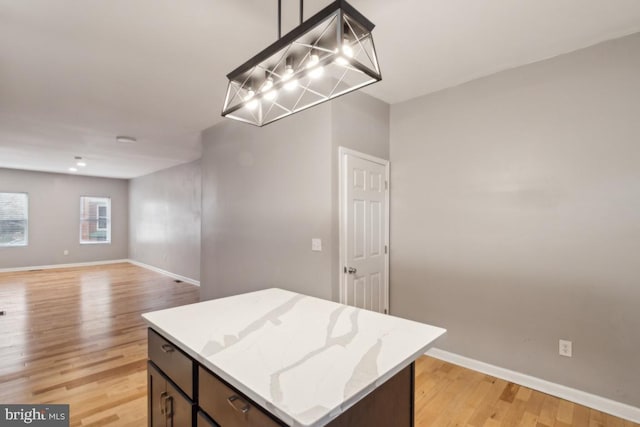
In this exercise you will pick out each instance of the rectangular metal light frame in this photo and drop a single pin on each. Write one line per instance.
(346, 16)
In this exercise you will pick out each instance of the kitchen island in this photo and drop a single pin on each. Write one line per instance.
(278, 358)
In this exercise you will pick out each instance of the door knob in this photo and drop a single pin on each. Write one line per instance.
(350, 270)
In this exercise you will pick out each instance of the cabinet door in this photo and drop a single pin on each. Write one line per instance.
(157, 387)
(168, 406)
(178, 408)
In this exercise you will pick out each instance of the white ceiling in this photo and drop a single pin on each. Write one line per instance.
(74, 74)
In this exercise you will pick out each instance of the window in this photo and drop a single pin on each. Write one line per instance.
(14, 217)
(102, 218)
(95, 219)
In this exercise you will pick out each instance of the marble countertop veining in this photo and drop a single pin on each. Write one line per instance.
(304, 359)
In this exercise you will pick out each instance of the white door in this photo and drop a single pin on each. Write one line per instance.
(364, 214)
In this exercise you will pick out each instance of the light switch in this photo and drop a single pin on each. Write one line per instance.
(316, 245)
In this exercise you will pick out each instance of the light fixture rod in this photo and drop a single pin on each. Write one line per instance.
(280, 16)
(279, 19)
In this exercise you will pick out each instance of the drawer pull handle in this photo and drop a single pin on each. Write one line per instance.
(163, 400)
(167, 348)
(169, 408)
(166, 406)
(235, 403)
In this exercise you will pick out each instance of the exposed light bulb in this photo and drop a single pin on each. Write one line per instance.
(288, 73)
(347, 50)
(271, 95)
(316, 72)
(267, 85)
(286, 77)
(313, 60)
(81, 164)
(253, 103)
(291, 84)
(341, 60)
(312, 64)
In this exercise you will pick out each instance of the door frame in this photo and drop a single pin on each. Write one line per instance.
(342, 220)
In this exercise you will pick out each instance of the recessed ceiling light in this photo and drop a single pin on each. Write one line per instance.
(81, 164)
(126, 139)
(72, 169)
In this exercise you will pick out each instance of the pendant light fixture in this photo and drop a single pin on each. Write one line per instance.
(328, 55)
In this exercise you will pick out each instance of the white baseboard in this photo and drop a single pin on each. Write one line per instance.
(75, 264)
(165, 272)
(599, 403)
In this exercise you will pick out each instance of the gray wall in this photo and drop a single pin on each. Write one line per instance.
(515, 217)
(360, 122)
(165, 219)
(54, 218)
(268, 191)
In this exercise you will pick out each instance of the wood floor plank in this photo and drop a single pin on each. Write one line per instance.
(75, 336)
(491, 402)
(565, 412)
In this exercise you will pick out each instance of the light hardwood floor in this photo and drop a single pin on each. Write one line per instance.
(449, 395)
(76, 336)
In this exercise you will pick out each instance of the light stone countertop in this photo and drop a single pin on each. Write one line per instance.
(304, 359)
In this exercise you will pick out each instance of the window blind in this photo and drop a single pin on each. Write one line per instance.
(14, 217)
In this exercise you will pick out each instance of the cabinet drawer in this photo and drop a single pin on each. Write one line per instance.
(228, 407)
(172, 361)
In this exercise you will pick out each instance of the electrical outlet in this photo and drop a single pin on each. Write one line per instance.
(316, 245)
(565, 348)
(66, 252)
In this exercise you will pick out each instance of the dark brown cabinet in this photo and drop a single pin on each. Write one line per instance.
(172, 362)
(229, 407)
(168, 406)
(183, 393)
